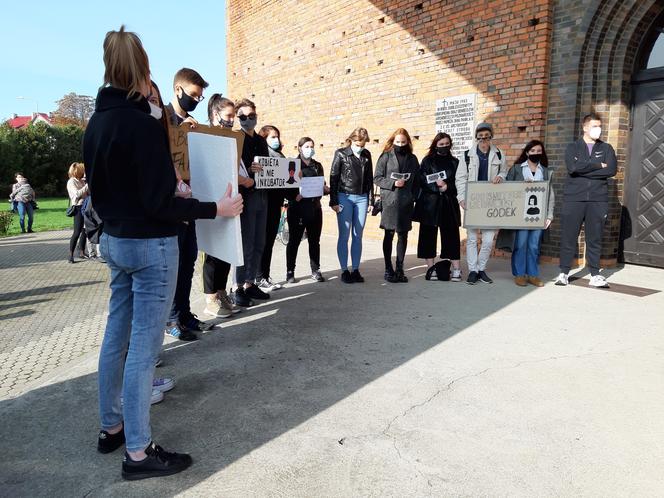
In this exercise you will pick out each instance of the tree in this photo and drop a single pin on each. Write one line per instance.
(74, 109)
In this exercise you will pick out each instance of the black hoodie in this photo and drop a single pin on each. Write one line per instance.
(130, 171)
(586, 179)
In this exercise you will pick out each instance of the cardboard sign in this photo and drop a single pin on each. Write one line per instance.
(278, 172)
(515, 205)
(177, 137)
(434, 177)
(213, 165)
(312, 186)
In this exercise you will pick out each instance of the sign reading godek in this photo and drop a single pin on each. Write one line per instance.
(518, 205)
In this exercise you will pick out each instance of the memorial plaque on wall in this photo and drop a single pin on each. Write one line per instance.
(517, 205)
(456, 117)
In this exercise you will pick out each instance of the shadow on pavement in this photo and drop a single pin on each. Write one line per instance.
(245, 383)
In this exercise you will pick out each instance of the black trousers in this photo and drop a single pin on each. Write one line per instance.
(297, 224)
(402, 244)
(593, 215)
(215, 274)
(274, 203)
(181, 309)
(450, 242)
(79, 232)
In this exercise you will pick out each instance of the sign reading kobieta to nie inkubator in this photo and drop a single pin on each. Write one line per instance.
(456, 117)
(515, 205)
(278, 172)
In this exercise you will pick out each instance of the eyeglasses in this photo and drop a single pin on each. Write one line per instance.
(484, 138)
(200, 98)
(243, 118)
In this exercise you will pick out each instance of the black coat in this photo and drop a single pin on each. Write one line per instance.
(433, 207)
(397, 201)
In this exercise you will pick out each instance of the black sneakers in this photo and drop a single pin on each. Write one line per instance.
(485, 278)
(389, 275)
(357, 278)
(107, 443)
(401, 277)
(158, 462)
(240, 298)
(317, 276)
(346, 277)
(472, 278)
(290, 277)
(195, 325)
(254, 292)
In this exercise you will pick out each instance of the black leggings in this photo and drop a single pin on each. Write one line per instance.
(402, 243)
(274, 203)
(79, 232)
(313, 224)
(215, 274)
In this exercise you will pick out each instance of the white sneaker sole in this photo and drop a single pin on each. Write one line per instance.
(164, 388)
(215, 315)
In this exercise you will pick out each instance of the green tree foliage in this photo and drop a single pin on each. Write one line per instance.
(42, 153)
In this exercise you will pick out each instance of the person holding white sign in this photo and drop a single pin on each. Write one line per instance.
(531, 166)
(482, 163)
(305, 213)
(396, 175)
(351, 192)
(437, 208)
(140, 244)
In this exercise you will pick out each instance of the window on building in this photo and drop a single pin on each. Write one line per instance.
(656, 58)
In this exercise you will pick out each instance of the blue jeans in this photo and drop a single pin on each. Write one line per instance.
(526, 253)
(188, 246)
(143, 278)
(353, 216)
(23, 208)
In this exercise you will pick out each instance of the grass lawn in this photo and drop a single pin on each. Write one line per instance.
(50, 216)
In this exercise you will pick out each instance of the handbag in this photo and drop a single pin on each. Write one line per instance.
(377, 205)
(71, 211)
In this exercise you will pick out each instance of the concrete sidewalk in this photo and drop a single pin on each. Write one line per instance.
(418, 389)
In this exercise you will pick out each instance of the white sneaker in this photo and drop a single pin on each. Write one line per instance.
(268, 285)
(599, 282)
(456, 275)
(216, 309)
(163, 384)
(156, 397)
(562, 279)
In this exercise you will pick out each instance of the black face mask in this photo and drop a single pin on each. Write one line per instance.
(400, 149)
(444, 150)
(226, 124)
(536, 158)
(187, 102)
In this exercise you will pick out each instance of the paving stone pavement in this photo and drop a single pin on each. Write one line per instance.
(51, 312)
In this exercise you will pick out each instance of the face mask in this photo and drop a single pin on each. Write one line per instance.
(225, 123)
(401, 149)
(274, 143)
(308, 152)
(155, 111)
(248, 124)
(187, 102)
(595, 132)
(536, 158)
(357, 150)
(444, 150)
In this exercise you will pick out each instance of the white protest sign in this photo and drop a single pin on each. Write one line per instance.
(278, 172)
(434, 177)
(400, 176)
(456, 117)
(312, 186)
(213, 165)
(517, 205)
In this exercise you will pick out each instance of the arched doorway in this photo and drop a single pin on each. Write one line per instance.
(644, 189)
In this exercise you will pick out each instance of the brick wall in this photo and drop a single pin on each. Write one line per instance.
(322, 68)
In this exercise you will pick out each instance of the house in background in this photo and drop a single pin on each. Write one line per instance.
(22, 121)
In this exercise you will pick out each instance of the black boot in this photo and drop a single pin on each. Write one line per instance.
(389, 273)
(400, 276)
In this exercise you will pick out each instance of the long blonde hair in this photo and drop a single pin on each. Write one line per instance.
(126, 62)
(357, 134)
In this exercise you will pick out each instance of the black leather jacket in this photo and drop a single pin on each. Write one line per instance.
(346, 177)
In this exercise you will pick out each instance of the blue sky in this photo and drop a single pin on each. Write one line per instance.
(51, 48)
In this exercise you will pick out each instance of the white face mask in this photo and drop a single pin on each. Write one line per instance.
(307, 152)
(357, 150)
(274, 143)
(155, 111)
(595, 132)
